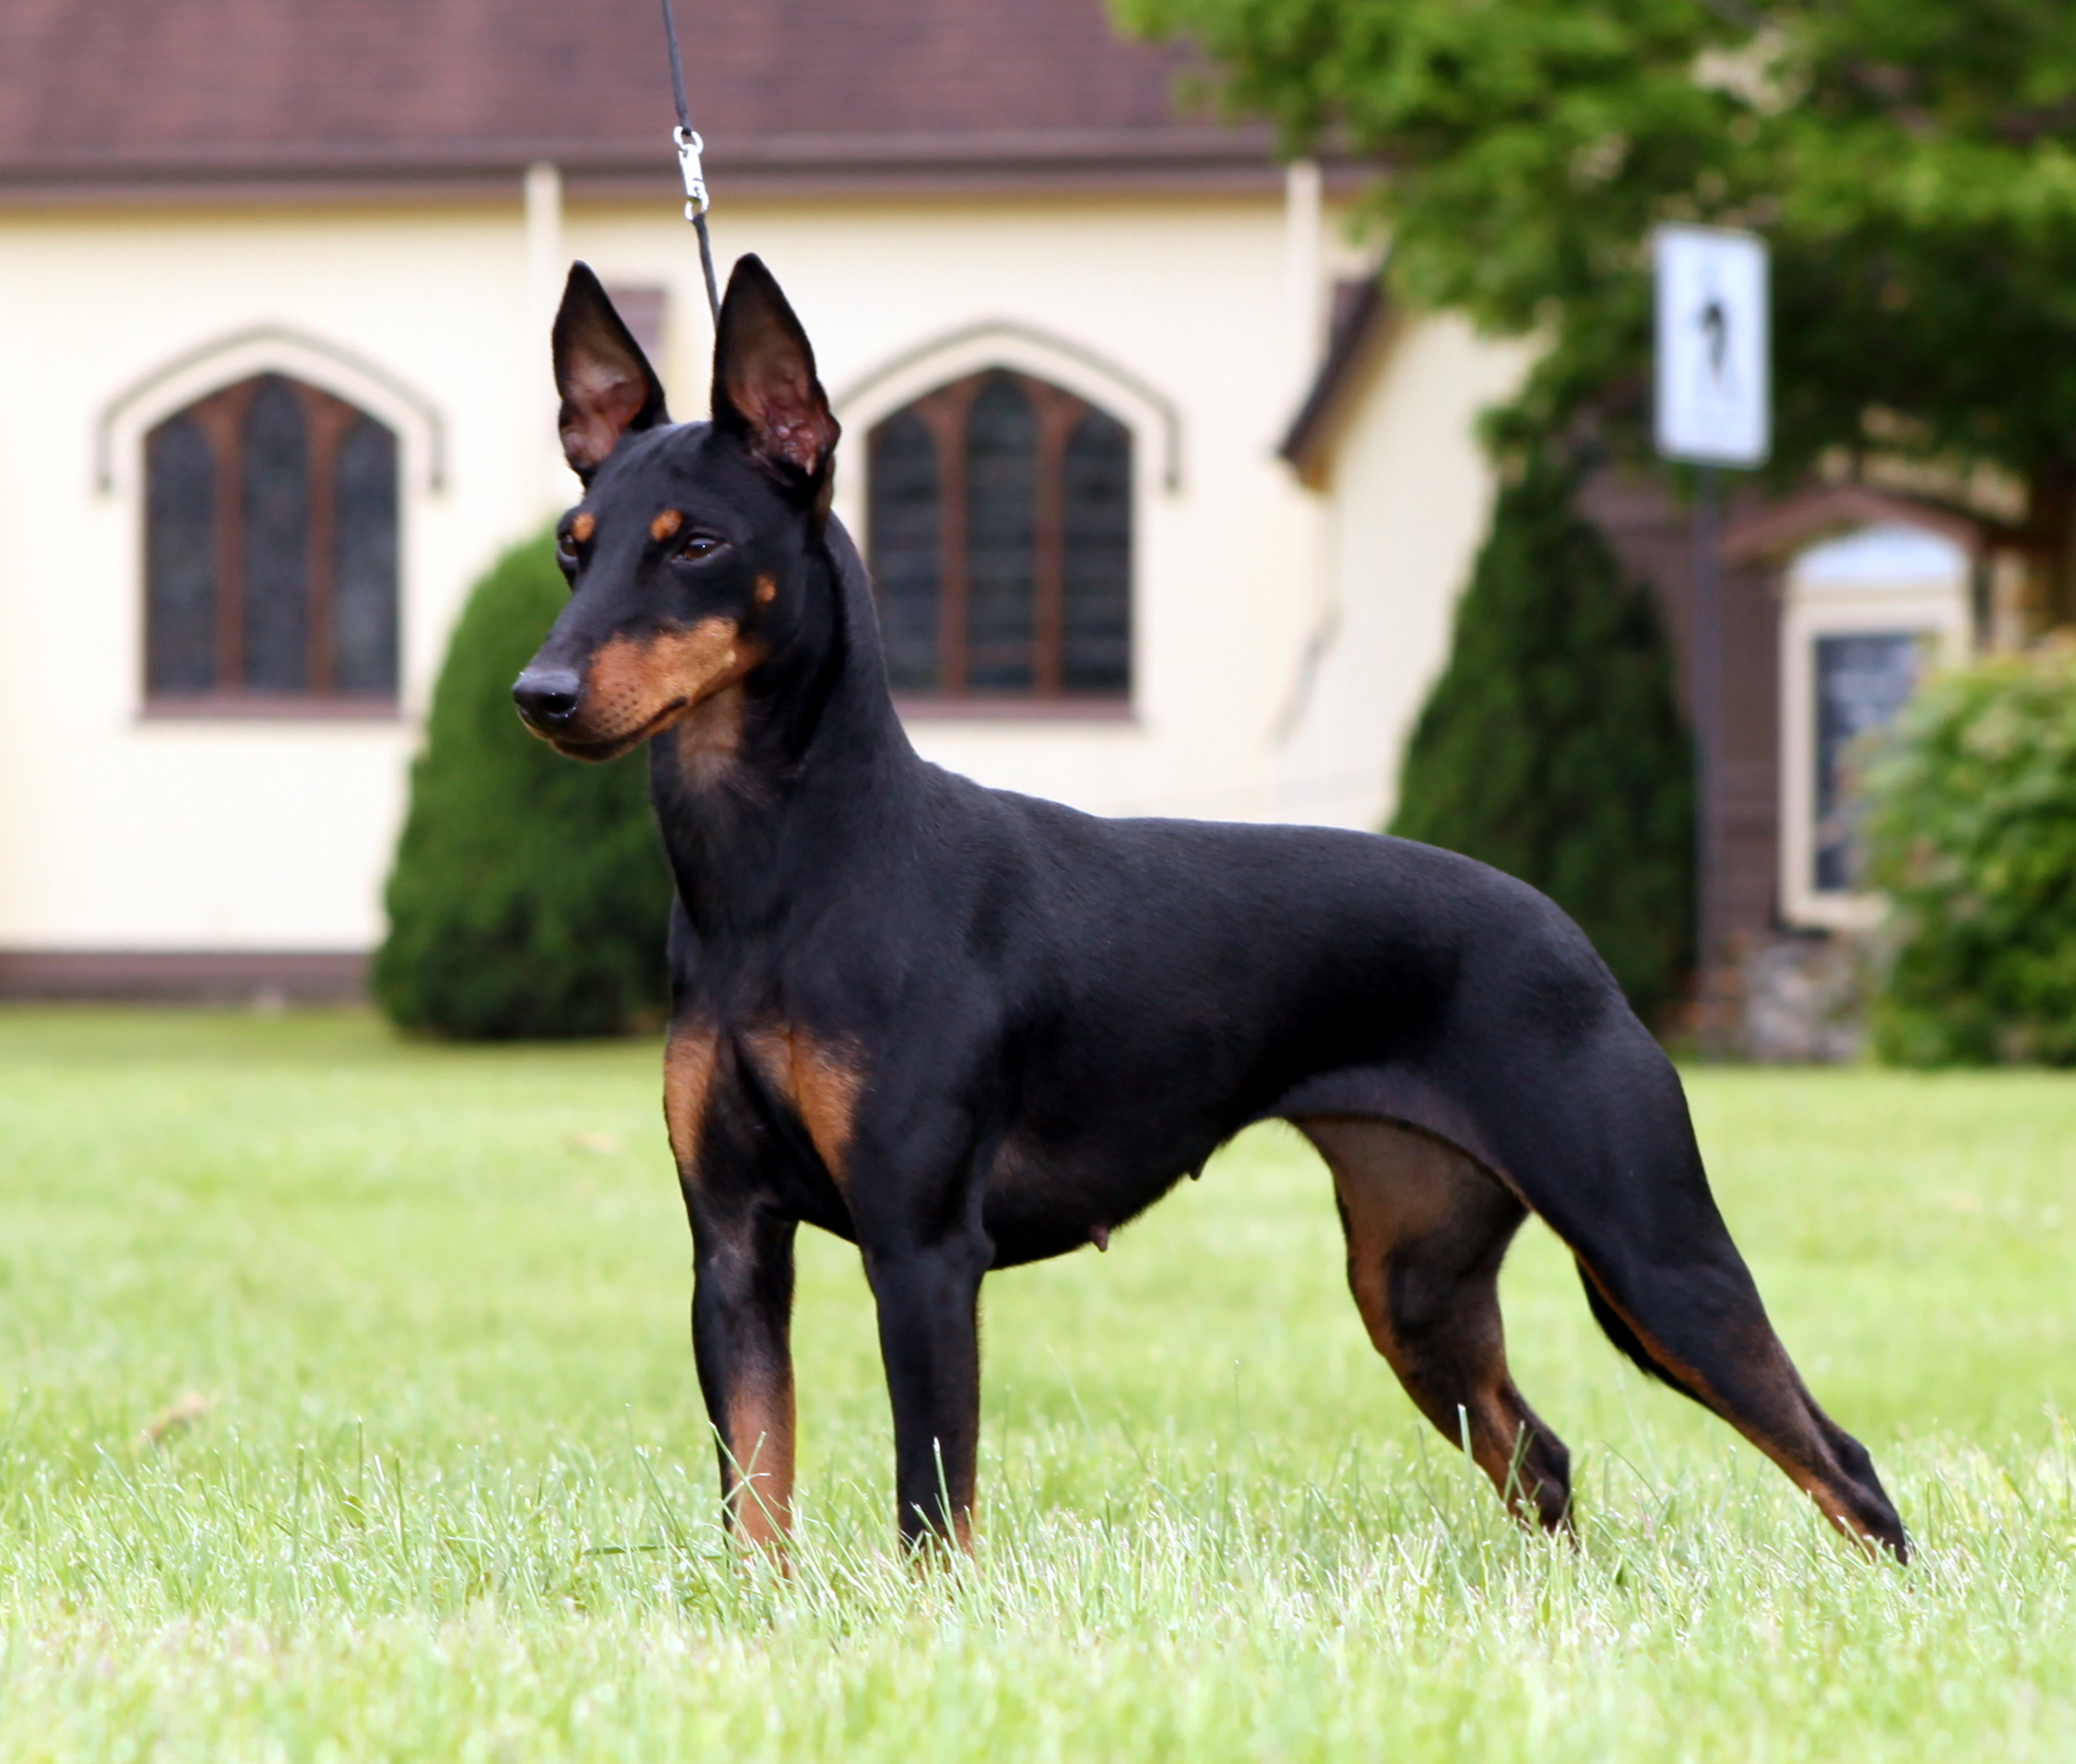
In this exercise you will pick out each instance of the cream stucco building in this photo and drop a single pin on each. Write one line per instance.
(1040, 212)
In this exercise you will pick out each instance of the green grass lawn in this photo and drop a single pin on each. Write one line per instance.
(432, 1481)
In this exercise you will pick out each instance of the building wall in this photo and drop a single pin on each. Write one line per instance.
(117, 832)
(1402, 513)
(121, 832)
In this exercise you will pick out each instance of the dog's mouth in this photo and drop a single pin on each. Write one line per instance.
(598, 749)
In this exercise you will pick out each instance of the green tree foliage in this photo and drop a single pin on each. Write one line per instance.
(1972, 831)
(529, 897)
(1912, 161)
(1553, 749)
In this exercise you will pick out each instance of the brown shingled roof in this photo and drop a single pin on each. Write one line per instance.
(187, 96)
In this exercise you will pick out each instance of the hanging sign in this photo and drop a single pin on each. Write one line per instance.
(1714, 405)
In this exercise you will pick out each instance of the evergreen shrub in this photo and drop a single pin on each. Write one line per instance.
(1971, 832)
(1552, 746)
(529, 896)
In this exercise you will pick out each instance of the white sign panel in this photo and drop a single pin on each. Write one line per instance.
(1714, 402)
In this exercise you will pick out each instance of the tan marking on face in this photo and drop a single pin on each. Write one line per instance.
(688, 1081)
(583, 526)
(708, 737)
(640, 686)
(666, 523)
(767, 590)
(822, 1080)
(759, 1422)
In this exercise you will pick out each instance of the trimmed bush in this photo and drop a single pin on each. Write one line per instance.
(1552, 747)
(529, 896)
(1971, 831)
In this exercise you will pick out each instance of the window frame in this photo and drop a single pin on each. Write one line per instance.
(943, 409)
(328, 417)
(1937, 616)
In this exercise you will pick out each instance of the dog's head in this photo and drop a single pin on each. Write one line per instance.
(689, 556)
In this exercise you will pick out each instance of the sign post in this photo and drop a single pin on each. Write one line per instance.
(1713, 409)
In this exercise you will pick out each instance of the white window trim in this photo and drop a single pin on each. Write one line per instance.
(1152, 419)
(127, 418)
(124, 420)
(1937, 613)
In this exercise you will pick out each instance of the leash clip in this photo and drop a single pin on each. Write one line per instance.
(689, 149)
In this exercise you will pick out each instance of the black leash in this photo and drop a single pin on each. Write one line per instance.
(689, 149)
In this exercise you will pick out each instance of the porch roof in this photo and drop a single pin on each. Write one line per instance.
(1773, 531)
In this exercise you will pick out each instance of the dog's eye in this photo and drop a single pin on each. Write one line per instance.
(700, 547)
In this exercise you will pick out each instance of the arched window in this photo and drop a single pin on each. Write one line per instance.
(270, 549)
(999, 529)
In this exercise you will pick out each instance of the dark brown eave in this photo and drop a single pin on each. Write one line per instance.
(1773, 531)
(1026, 162)
(1356, 336)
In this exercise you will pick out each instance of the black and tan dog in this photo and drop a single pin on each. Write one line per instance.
(965, 1029)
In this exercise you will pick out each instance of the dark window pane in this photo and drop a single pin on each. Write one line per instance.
(1002, 531)
(275, 551)
(1862, 683)
(903, 531)
(179, 558)
(1095, 506)
(364, 580)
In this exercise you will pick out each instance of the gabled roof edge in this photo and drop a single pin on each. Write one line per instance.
(1355, 334)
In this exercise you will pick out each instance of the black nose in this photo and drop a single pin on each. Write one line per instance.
(547, 696)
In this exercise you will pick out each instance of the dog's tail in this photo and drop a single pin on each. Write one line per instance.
(1625, 1338)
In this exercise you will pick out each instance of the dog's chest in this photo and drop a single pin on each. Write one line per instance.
(818, 1079)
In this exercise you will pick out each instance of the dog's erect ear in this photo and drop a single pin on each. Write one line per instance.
(765, 388)
(607, 384)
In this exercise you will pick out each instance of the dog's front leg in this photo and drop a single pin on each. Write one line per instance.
(928, 1300)
(741, 1322)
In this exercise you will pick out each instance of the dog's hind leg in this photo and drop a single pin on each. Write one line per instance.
(1603, 1149)
(1427, 1229)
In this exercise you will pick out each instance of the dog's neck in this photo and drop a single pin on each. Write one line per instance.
(771, 792)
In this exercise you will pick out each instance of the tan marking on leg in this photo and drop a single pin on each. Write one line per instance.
(583, 526)
(768, 591)
(1398, 1187)
(760, 1444)
(688, 1080)
(666, 523)
(933, 1550)
(823, 1082)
